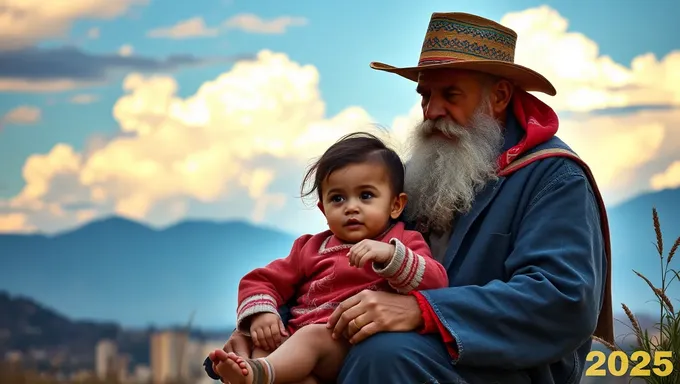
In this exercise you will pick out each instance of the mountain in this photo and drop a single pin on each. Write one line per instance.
(45, 334)
(32, 328)
(124, 271)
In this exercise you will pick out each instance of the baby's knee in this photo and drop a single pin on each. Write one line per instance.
(315, 331)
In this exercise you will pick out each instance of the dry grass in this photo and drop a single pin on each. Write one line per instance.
(666, 333)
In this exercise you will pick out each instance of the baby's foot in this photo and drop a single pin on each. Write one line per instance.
(237, 370)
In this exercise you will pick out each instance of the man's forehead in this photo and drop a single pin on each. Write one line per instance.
(445, 77)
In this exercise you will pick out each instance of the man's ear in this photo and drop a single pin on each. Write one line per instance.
(398, 205)
(501, 95)
(320, 206)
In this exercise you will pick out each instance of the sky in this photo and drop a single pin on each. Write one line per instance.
(161, 111)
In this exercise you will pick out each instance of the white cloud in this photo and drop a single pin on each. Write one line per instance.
(126, 50)
(190, 28)
(670, 178)
(24, 114)
(15, 223)
(24, 23)
(196, 27)
(93, 33)
(84, 98)
(252, 23)
(43, 86)
(238, 146)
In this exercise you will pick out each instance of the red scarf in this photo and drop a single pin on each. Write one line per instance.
(538, 120)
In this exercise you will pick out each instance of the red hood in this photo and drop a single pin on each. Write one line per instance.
(538, 120)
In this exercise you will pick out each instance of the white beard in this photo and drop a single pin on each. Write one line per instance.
(444, 174)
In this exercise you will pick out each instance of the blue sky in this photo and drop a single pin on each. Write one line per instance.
(339, 39)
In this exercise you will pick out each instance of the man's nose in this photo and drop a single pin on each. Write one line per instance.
(434, 109)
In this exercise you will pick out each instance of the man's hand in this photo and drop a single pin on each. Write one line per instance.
(370, 250)
(240, 344)
(267, 331)
(369, 312)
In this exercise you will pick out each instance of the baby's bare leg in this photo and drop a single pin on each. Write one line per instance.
(259, 353)
(310, 351)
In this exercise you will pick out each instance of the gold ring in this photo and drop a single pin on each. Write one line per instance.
(354, 322)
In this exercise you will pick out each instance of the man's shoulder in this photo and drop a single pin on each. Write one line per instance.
(548, 163)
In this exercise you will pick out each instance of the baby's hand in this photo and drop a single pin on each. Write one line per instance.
(267, 330)
(370, 250)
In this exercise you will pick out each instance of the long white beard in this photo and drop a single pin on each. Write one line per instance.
(444, 174)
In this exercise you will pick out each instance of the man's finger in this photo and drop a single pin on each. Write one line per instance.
(227, 346)
(345, 305)
(346, 317)
(365, 331)
(364, 318)
(240, 345)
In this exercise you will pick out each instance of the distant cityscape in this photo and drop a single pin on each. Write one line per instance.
(174, 357)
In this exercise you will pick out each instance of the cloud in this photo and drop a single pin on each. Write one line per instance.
(229, 142)
(238, 146)
(126, 50)
(196, 27)
(83, 98)
(59, 69)
(190, 28)
(15, 223)
(24, 114)
(93, 33)
(585, 79)
(252, 23)
(670, 178)
(25, 23)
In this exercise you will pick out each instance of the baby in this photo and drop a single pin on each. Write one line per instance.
(360, 183)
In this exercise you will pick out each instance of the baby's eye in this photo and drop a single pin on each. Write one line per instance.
(336, 198)
(366, 195)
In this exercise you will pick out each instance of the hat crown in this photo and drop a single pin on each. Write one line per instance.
(457, 36)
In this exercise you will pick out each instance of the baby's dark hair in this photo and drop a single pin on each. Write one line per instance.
(354, 148)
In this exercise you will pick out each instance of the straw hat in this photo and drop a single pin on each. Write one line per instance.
(464, 41)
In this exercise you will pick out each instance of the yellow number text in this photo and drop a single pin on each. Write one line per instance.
(618, 363)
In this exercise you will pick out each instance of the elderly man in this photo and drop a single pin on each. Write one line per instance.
(511, 212)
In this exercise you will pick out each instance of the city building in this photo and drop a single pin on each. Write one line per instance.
(106, 356)
(169, 356)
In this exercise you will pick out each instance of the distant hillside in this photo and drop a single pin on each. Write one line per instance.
(31, 328)
(125, 271)
(44, 334)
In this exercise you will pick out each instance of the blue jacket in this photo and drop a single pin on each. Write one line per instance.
(527, 269)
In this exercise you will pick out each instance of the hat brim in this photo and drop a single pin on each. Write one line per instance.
(521, 76)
